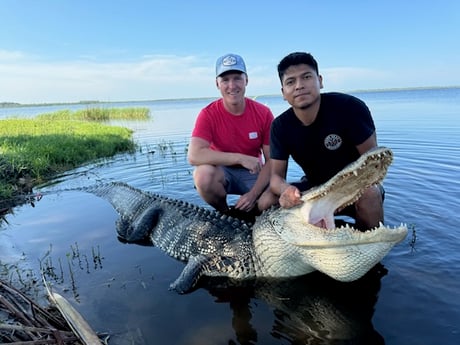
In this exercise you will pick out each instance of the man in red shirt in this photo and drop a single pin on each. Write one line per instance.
(230, 144)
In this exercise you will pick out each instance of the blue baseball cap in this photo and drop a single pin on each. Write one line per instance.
(230, 62)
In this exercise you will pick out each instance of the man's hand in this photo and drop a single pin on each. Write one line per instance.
(246, 202)
(253, 164)
(290, 197)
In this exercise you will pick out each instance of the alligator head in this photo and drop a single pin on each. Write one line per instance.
(343, 253)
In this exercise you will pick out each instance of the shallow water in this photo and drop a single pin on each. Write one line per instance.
(122, 289)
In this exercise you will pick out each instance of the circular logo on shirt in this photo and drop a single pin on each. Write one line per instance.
(333, 142)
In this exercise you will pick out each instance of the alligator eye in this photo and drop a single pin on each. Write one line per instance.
(275, 223)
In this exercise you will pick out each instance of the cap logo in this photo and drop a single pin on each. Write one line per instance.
(229, 60)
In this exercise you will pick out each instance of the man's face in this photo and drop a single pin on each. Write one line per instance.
(301, 86)
(232, 85)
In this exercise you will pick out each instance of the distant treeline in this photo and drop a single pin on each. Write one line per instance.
(14, 104)
(9, 104)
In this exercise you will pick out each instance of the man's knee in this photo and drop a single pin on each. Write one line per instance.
(205, 176)
(373, 196)
(369, 208)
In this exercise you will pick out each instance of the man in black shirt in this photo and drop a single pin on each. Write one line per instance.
(323, 132)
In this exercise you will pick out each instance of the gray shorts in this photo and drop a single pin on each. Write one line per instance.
(238, 180)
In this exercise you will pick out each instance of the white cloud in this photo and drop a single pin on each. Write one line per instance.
(155, 77)
(30, 80)
(10, 55)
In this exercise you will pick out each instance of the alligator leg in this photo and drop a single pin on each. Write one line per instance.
(200, 265)
(195, 268)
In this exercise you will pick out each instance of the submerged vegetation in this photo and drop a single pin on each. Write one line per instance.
(34, 150)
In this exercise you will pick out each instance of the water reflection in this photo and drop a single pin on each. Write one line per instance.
(312, 309)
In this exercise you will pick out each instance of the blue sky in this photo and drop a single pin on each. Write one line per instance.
(117, 50)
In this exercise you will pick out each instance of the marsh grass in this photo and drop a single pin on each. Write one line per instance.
(33, 150)
(98, 114)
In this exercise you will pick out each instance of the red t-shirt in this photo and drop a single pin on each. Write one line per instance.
(245, 133)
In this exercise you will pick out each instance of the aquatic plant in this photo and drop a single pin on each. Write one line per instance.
(98, 114)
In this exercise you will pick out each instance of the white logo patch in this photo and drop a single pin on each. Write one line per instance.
(253, 135)
(332, 142)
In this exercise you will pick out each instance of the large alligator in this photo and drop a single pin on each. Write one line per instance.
(280, 243)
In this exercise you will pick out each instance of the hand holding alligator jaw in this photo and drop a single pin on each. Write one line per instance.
(290, 197)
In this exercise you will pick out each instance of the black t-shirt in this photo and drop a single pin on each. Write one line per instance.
(327, 145)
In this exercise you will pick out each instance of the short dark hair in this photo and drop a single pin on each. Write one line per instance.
(296, 58)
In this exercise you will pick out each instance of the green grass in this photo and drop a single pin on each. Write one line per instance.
(32, 151)
(98, 114)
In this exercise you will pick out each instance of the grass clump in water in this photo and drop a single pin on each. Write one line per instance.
(98, 114)
(33, 150)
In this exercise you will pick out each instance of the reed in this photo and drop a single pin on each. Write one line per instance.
(98, 114)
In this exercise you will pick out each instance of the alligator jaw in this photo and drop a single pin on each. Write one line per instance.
(297, 224)
(346, 187)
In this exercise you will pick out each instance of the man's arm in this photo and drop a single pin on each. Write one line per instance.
(199, 152)
(367, 144)
(289, 195)
(278, 176)
(264, 176)
(248, 200)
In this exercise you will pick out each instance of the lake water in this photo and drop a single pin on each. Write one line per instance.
(122, 289)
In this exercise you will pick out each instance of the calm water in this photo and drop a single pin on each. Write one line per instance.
(414, 298)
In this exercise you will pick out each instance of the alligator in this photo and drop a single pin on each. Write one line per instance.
(279, 244)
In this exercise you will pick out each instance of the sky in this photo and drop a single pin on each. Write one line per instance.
(54, 51)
